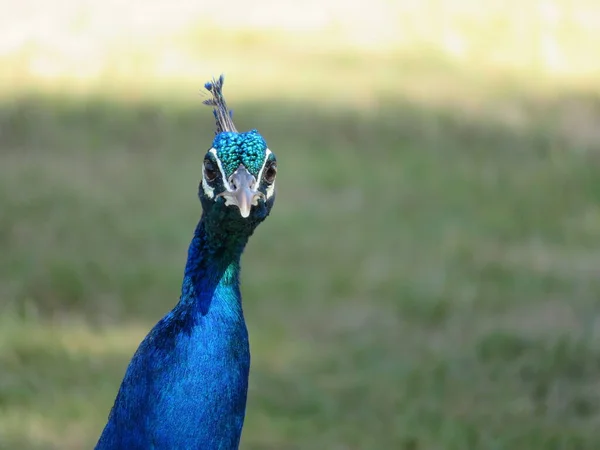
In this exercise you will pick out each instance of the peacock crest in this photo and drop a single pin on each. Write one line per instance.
(223, 115)
(186, 386)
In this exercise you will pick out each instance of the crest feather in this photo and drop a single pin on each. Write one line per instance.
(223, 116)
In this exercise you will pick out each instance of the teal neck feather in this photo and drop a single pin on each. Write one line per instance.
(213, 263)
(186, 386)
(187, 383)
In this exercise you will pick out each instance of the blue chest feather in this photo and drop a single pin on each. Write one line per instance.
(186, 386)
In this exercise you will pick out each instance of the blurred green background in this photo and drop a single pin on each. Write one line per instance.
(430, 276)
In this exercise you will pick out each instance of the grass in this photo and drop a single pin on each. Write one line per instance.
(428, 279)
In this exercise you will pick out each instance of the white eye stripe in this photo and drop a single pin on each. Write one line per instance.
(270, 190)
(271, 187)
(220, 166)
(267, 154)
(210, 191)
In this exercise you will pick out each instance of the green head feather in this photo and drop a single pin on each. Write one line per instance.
(233, 148)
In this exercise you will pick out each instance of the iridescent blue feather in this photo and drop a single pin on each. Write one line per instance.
(187, 383)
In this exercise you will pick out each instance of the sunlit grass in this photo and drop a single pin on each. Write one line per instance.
(380, 50)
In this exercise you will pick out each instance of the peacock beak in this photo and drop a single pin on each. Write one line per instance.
(243, 194)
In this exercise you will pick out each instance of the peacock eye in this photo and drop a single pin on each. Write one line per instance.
(270, 173)
(210, 171)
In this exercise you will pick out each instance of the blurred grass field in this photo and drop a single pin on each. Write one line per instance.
(430, 276)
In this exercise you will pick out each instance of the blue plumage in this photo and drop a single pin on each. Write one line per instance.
(187, 383)
(247, 148)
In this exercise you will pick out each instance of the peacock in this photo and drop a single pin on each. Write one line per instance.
(186, 385)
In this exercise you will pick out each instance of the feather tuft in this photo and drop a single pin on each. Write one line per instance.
(223, 116)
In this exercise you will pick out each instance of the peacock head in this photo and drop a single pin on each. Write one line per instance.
(239, 170)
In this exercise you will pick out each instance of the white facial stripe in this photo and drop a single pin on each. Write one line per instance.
(259, 177)
(208, 191)
(223, 177)
(271, 188)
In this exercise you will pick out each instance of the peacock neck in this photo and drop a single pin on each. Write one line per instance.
(211, 277)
